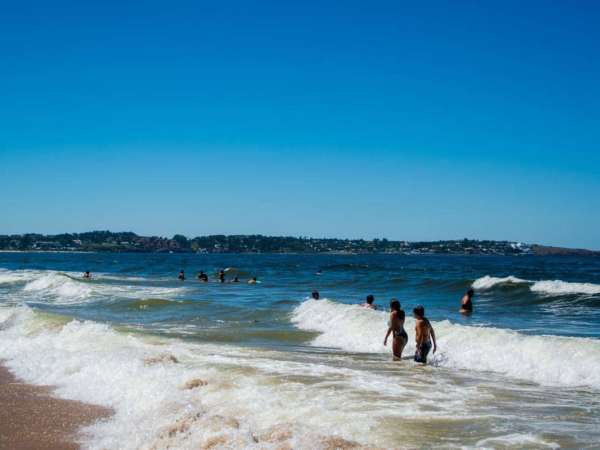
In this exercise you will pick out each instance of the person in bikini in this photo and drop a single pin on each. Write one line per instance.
(424, 335)
(396, 328)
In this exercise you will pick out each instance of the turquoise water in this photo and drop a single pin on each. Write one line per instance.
(522, 371)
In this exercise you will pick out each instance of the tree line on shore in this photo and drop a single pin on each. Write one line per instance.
(131, 242)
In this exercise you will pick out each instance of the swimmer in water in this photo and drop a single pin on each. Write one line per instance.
(87, 274)
(203, 277)
(466, 304)
(396, 328)
(222, 276)
(315, 295)
(369, 302)
(253, 281)
(319, 272)
(424, 335)
(181, 275)
(235, 280)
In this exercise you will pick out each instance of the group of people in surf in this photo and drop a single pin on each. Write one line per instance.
(424, 332)
(221, 277)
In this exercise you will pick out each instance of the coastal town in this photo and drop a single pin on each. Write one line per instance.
(106, 241)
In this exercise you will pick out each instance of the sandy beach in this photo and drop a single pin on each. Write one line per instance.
(31, 418)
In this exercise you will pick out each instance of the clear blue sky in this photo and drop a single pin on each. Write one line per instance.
(348, 119)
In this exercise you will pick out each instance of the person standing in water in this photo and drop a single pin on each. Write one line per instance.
(396, 328)
(222, 276)
(181, 275)
(203, 277)
(466, 304)
(315, 295)
(369, 302)
(87, 274)
(424, 335)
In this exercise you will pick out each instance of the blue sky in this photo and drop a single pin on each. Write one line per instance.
(347, 119)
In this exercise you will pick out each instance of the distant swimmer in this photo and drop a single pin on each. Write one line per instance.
(424, 335)
(203, 277)
(222, 276)
(466, 304)
(181, 275)
(87, 274)
(369, 302)
(396, 327)
(235, 280)
(319, 272)
(315, 295)
(253, 281)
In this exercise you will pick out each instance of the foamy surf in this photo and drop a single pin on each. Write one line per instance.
(64, 288)
(545, 287)
(547, 360)
(169, 394)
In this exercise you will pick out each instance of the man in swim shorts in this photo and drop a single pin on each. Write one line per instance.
(424, 335)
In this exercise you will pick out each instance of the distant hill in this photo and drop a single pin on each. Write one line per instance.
(107, 241)
(546, 250)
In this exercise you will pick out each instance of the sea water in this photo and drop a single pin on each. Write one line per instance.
(211, 365)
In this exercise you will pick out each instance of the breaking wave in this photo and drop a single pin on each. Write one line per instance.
(546, 287)
(547, 360)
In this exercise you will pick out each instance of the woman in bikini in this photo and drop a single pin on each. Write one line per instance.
(396, 327)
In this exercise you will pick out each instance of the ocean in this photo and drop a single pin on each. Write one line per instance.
(188, 365)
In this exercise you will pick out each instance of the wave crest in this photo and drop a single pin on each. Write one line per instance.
(547, 360)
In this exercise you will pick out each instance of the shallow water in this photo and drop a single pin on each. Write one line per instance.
(522, 372)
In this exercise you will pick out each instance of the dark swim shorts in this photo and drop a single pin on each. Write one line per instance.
(422, 352)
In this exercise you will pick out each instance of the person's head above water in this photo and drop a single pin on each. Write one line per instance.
(470, 293)
(394, 305)
(419, 311)
(315, 295)
(370, 299)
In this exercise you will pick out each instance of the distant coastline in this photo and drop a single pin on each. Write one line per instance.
(125, 242)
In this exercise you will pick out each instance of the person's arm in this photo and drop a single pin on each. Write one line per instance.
(433, 338)
(387, 335)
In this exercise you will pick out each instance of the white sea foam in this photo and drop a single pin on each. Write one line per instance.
(516, 440)
(251, 395)
(558, 287)
(488, 282)
(142, 380)
(66, 288)
(548, 287)
(16, 276)
(547, 360)
(59, 285)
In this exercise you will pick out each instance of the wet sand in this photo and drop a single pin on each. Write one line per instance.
(31, 418)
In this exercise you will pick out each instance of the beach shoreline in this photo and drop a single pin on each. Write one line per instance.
(32, 418)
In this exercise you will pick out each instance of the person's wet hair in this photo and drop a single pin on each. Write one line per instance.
(471, 292)
(395, 305)
(370, 299)
(419, 311)
(315, 295)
